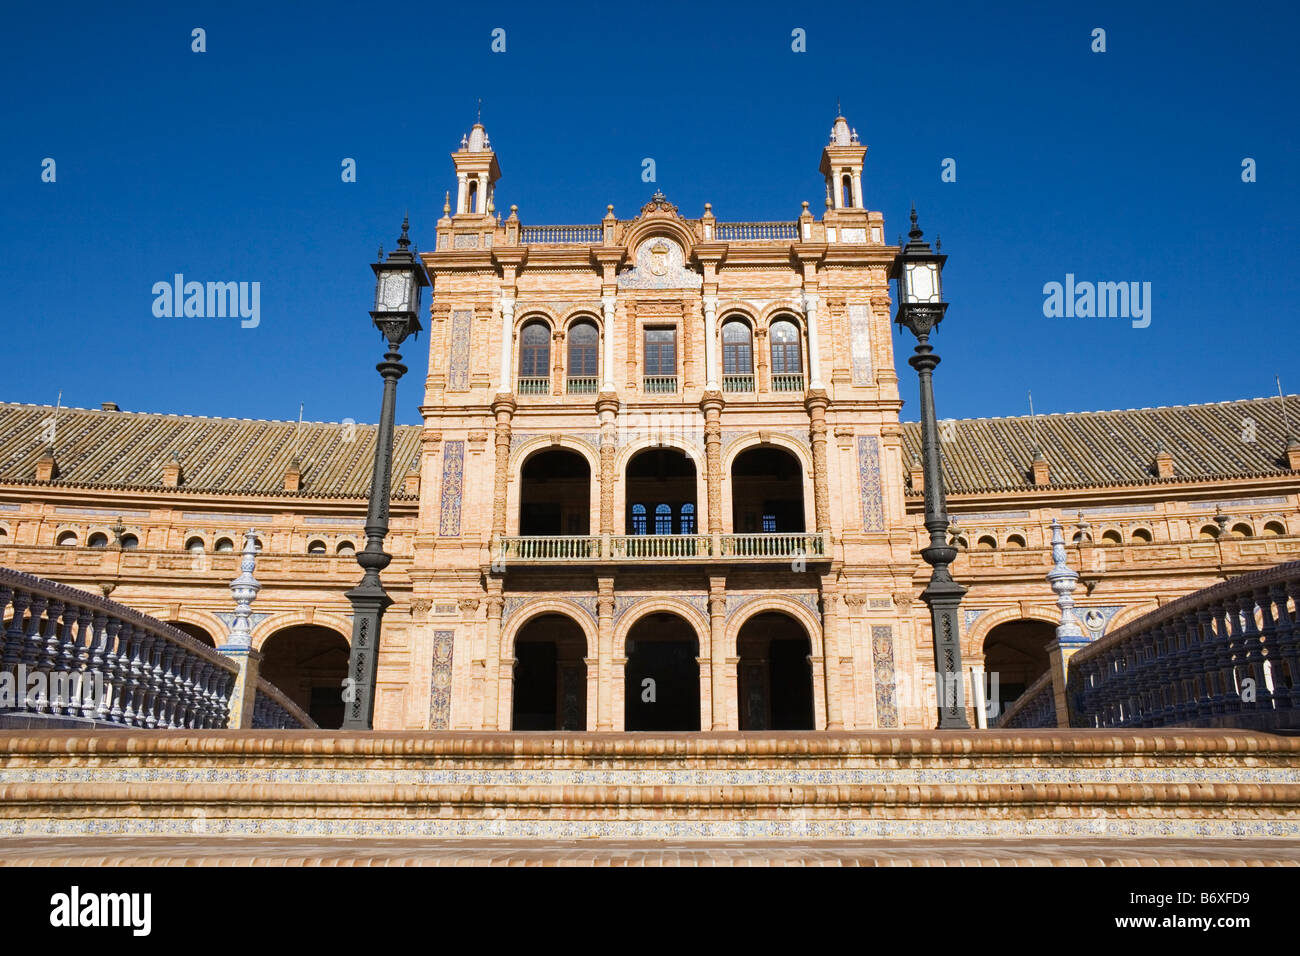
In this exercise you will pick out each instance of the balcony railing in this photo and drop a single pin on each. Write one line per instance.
(560, 235)
(757, 548)
(534, 386)
(1035, 708)
(748, 231)
(659, 384)
(738, 383)
(787, 382)
(583, 386)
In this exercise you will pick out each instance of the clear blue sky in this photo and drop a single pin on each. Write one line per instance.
(1122, 166)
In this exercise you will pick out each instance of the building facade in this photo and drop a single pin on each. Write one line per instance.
(661, 484)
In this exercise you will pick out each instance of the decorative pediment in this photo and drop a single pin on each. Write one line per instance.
(659, 206)
(660, 264)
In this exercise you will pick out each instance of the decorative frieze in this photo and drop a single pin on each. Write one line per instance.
(873, 508)
(882, 656)
(453, 482)
(440, 681)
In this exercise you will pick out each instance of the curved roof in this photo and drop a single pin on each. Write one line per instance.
(1100, 449)
(128, 450)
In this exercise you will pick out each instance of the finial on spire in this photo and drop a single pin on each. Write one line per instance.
(915, 232)
(446, 203)
(404, 240)
(479, 115)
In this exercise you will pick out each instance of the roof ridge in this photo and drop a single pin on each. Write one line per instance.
(1112, 411)
(182, 415)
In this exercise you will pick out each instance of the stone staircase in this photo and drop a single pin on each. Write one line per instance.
(245, 790)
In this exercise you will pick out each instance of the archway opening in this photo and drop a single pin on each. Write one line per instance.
(663, 675)
(767, 492)
(774, 674)
(555, 495)
(309, 662)
(193, 630)
(1015, 655)
(661, 493)
(550, 685)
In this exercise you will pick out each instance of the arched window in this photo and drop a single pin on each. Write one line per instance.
(638, 519)
(67, 539)
(345, 547)
(1111, 537)
(1274, 527)
(846, 184)
(686, 519)
(224, 545)
(663, 519)
(1015, 541)
(316, 547)
(737, 350)
(1080, 537)
(1242, 530)
(583, 350)
(535, 357)
(1141, 536)
(194, 544)
(786, 355)
(130, 542)
(471, 197)
(97, 540)
(257, 544)
(1209, 532)
(986, 542)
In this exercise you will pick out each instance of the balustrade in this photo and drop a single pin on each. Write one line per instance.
(561, 235)
(750, 231)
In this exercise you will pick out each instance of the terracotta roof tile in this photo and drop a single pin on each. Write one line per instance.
(1089, 449)
(115, 449)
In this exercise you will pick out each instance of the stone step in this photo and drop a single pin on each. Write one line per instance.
(988, 786)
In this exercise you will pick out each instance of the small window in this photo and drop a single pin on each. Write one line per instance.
(786, 357)
(737, 350)
(317, 547)
(638, 519)
(660, 352)
(224, 545)
(986, 542)
(583, 348)
(663, 519)
(257, 544)
(1015, 541)
(68, 539)
(687, 518)
(1242, 530)
(1209, 532)
(1081, 537)
(345, 547)
(194, 544)
(97, 540)
(846, 183)
(960, 542)
(535, 351)
(1111, 537)
(130, 542)
(1271, 528)
(1141, 536)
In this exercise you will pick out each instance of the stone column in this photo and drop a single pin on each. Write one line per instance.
(505, 385)
(762, 383)
(857, 189)
(503, 407)
(831, 655)
(239, 642)
(720, 696)
(557, 362)
(607, 338)
(492, 653)
(607, 409)
(816, 403)
(605, 653)
(814, 347)
(711, 380)
(462, 187)
(712, 407)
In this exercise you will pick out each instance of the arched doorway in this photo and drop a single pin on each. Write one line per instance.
(663, 675)
(1015, 655)
(661, 493)
(555, 495)
(774, 674)
(196, 632)
(767, 492)
(309, 662)
(550, 680)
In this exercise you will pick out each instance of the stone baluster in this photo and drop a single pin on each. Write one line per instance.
(133, 706)
(167, 697)
(33, 643)
(1288, 638)
(93, 667)
(1228, 701)
(19, 601)
(1209, 657)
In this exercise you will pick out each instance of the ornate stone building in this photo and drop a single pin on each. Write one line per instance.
(661, 485)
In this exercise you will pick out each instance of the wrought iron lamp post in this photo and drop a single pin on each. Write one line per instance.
(917, 269)
(398, 281)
